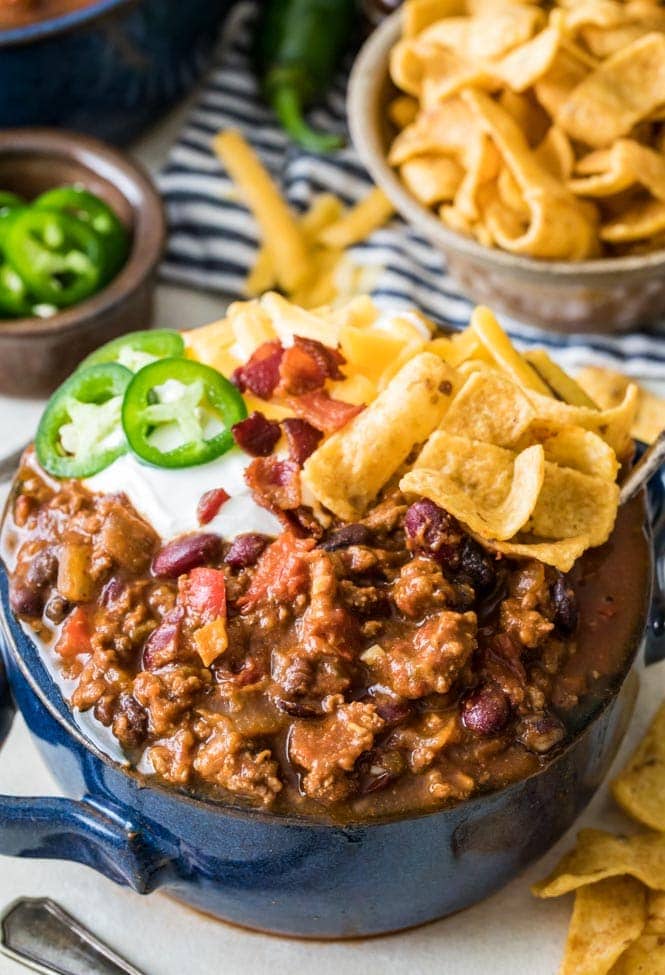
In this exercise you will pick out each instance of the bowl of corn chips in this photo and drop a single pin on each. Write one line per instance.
(526, 141)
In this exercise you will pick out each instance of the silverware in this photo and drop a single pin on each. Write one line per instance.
(9, 464)
(38, 933)
(652, 458)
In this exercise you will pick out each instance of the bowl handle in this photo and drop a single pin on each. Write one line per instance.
(56, 828)
(655, 631)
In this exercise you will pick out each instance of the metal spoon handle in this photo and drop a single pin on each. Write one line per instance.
(644, 469)
(38, 933)
(9, 464)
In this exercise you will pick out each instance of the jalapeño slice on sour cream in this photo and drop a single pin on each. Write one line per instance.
(138, 349)
(80, 432)
(177, 413)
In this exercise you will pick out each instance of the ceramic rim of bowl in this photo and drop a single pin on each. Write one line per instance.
(148, 233)
(52, 26)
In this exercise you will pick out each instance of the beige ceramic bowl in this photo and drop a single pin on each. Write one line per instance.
(609, 295)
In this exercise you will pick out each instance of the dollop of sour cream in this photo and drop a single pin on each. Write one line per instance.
(167, 497)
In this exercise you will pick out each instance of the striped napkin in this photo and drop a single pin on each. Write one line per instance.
(214, 240)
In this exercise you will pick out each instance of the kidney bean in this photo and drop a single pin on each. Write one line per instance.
(26, 600)
(57, 608)
(130, 722)
(393, 712)
(540, 732)
(112, 591)
(161, 647)
(186, 553)
(476, 565)
(42, 569)
(432, 530)
(346, 536)
(242, 673)
(297, 709)
(486, 710)
(378, 769)
(565, 605)
(245, 550)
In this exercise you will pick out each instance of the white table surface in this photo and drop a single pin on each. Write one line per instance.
(510, 933)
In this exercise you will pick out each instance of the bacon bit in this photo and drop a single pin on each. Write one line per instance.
(211, 640)
(203, 594)
(260, 374)
(299, 372)
(322, 411)
(329, 359)
(307, 364)
(75, 635)
(275, 484)
(282, 572)
(257, 435)
(302, 438)
(209, 504)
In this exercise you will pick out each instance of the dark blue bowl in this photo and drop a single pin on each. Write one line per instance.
(109, 69)
(290, 875)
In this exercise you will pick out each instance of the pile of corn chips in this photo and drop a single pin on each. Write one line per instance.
(618, 923)
(508, 444)
(535, 127)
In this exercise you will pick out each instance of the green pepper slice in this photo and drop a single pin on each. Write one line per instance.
(15, 299)
(8, 217)
(59, 258)
(138, 349)
(9, 201)
(90, 210)
(178, 413)
(80, 432)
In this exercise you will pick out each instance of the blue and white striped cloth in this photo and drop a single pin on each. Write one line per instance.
(213, 238)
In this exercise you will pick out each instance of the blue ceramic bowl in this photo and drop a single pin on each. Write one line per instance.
(290, 875)
(109, 69)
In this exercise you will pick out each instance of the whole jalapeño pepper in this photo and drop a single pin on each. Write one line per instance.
(299, 46)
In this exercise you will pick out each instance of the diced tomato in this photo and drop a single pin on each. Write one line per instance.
(203, 594)
(282, 572)
(209, 505)
(75, 635)
(322, 411)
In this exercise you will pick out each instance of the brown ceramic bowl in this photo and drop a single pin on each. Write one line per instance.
(37, 354)
(608, 295)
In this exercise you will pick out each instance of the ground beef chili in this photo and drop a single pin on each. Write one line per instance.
(373, 668)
